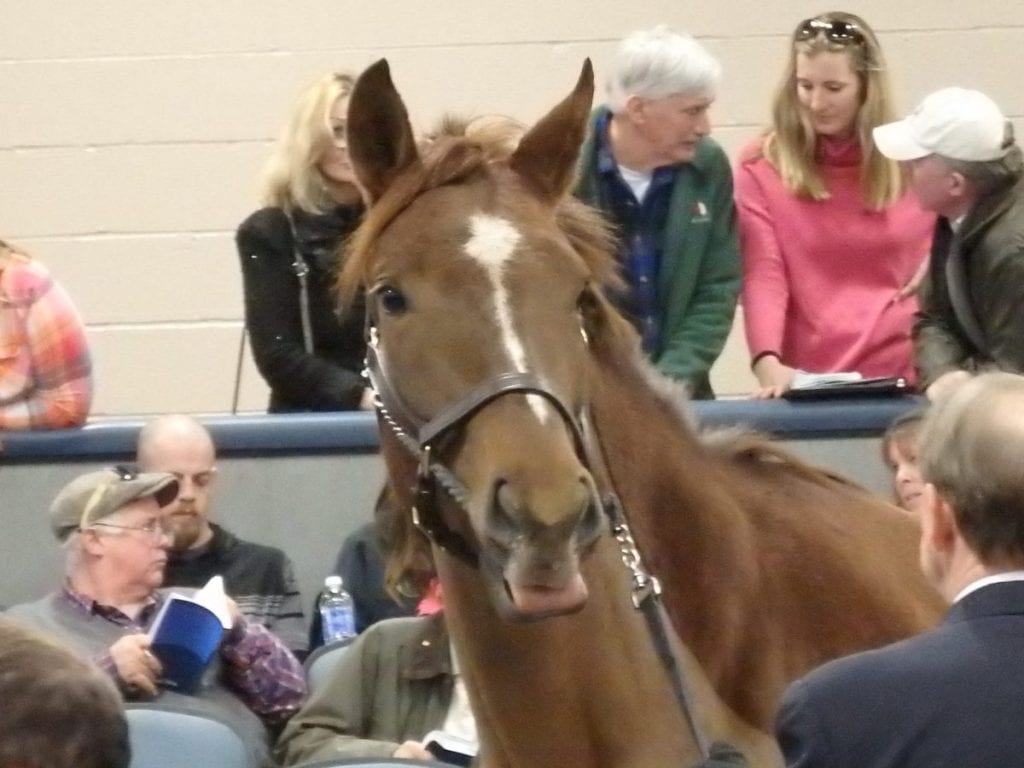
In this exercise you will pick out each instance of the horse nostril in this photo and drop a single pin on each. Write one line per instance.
(591, 521)
(502, 525)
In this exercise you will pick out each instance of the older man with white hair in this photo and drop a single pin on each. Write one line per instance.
(965, 165)
(115, 537)
(650, 166)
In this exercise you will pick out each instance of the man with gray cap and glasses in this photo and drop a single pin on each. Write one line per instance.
(964, 164)
(115, 543)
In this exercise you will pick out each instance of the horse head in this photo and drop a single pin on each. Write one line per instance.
(483, 284)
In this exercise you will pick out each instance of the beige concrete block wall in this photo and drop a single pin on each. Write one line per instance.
(134, 132)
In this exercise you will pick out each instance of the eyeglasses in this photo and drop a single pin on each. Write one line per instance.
(835, 31)
(154, 528)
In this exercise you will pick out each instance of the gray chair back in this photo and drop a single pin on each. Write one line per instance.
(321, 662)
(165, 737)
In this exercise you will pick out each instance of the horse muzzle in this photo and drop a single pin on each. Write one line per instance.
(532, 568)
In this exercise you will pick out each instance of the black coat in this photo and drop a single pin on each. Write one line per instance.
(330, 379)
(948, 698)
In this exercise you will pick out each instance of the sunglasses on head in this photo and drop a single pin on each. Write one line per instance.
(124, 473)
(835, 31)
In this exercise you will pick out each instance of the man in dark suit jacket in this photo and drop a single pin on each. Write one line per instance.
(950, 697)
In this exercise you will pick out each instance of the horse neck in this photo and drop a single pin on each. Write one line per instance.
(585, 690)
(652, 452)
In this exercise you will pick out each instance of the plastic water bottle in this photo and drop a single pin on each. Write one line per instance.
(337, 613)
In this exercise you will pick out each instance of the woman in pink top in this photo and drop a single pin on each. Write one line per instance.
(832, 245)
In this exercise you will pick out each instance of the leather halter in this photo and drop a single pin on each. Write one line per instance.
(420, 436)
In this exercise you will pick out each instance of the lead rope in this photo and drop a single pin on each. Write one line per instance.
(646, 596)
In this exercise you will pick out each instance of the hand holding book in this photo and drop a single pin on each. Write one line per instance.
(187, 632)
(137, 668)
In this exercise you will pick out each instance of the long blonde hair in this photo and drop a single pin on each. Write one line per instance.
(791, 143)
(291, 177)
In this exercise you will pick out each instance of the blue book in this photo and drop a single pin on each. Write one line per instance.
(186, 634)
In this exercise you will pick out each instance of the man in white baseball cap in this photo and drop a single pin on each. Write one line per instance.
(964, 164)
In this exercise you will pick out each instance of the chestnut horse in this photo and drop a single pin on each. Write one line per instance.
(506, 378)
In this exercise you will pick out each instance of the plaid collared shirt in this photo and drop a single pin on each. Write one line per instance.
(639, 224)
(257, 665)
(45, 370)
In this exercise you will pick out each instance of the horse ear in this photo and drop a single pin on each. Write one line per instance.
(546, 156)
(380, 140)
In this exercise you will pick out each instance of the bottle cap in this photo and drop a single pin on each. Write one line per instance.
(333, 582)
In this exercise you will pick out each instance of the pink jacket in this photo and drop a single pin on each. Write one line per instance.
(819, 277)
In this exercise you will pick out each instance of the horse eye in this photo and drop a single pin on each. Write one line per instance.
(587, 307)
(586, 302)
(392, 300)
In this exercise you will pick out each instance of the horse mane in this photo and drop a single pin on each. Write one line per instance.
(748, 445)
(618, 352)
(458, 151)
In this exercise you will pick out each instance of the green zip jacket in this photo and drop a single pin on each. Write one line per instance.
(392, 684)
(699, 274)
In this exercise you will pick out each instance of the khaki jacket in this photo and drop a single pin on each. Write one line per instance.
(393, 684)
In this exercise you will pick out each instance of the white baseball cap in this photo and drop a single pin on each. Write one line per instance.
(957, 123)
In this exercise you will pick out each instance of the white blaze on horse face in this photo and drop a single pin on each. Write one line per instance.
(492, 243)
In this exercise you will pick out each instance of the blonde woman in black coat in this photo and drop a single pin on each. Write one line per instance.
(309, 350)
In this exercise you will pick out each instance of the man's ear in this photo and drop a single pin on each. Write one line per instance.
(959, 185)
(90, 542)
(633, 109)
(938, 523)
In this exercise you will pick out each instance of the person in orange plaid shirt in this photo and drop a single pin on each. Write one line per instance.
(45, 369)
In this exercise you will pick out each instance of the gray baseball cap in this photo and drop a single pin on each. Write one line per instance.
(96, 495)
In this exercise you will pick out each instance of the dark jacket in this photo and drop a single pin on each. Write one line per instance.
(361, 566)
(992, 237)
(394, 683)
(949, 698)
(699, 275)
(330, 379)
(260, 579)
